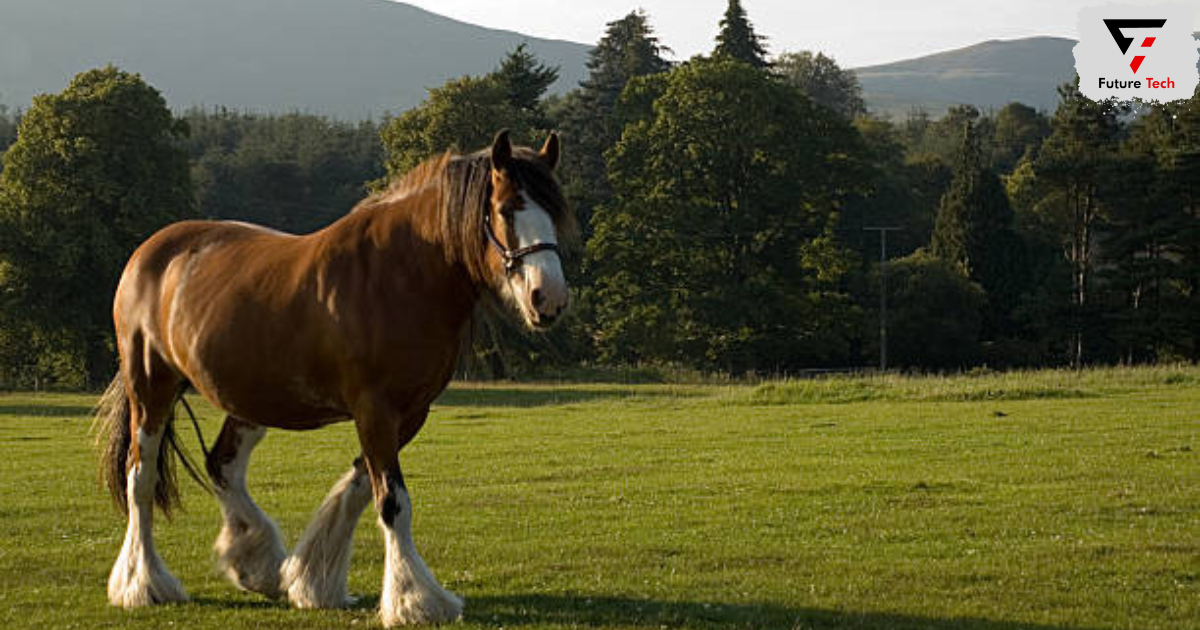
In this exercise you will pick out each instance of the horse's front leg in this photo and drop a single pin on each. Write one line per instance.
(249, 548)
(411, 595)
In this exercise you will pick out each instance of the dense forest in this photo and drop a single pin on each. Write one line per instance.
(733, 207)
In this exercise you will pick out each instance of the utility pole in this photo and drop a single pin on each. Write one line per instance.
(882, 291)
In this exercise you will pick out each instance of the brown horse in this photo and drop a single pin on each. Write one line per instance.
(362, 320)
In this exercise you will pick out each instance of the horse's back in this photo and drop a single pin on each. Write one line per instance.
(192, 237)
(169, 260)
(222, 302)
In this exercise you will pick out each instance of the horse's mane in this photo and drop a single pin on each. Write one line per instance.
(464, 186)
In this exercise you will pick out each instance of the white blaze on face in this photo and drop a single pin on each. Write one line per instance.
(541, 288)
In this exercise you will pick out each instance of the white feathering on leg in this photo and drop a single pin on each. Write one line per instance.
(411, 595)
(249, 549)
(315, 574)
(140, 577)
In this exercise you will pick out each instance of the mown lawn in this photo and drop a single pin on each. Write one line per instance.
(1044, 500)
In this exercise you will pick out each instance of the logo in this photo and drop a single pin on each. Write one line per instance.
(1115, 26)
(1154, 59)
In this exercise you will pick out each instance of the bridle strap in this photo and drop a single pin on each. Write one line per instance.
(512, 257)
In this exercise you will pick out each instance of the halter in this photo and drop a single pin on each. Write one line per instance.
(512, 257)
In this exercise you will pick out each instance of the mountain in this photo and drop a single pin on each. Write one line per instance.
(351, 59)
(355, 59)
(989, 75)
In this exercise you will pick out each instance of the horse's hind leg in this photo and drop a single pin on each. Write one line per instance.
(315, 574)
(249, 548)
(140, 577)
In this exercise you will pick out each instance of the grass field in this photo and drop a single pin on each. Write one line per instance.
(1043, 500)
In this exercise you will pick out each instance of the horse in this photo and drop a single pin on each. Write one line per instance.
(361, 321)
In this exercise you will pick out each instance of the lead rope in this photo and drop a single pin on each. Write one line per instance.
(196, 424)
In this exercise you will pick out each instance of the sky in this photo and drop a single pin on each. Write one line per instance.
(855, 32)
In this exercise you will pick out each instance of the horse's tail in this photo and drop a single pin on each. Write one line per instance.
(114, 436)
(110, 423)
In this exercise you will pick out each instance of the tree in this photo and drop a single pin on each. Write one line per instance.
(1042, 316)
(1136, 242)
(293, 172)
(737, 39)
(896, 197)
(1019, 129)
(524, 80)
(975, 231)
(1148, 239)
(95, 170)
(972, 214)
(1071, 167)
(590, 126)
(628, 50)
(942, 138)
(8, 129)
(934, 314)
(464, 114)
(1181, 163)
(718, 248)
(8, 132)
(822, 80)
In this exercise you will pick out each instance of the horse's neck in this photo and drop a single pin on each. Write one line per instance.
(399, 241)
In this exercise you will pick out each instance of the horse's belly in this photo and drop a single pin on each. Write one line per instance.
(275, 375)
(271, 401)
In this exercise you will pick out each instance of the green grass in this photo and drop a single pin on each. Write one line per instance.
(991, 502)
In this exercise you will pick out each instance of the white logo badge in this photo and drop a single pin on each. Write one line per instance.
(1145, 53)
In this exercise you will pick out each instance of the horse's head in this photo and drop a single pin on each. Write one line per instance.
(526, 221)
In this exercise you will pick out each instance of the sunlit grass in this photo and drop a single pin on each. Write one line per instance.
(993, 502)
(1018, 385)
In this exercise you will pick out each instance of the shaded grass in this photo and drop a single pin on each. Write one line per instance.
(689, 507)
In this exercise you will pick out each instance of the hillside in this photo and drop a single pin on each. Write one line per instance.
(363, 58)
(347, 58)
(989, 75)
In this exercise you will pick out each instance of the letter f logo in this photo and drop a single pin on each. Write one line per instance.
(1115, 26)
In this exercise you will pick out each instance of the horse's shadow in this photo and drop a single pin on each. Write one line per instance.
(586, 611)
(597, 612)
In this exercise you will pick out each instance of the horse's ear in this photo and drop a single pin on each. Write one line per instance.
(549, 153)
(501, 150)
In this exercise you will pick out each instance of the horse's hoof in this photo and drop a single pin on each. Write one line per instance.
(427, 608)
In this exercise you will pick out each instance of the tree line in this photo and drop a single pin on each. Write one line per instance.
(728, 206)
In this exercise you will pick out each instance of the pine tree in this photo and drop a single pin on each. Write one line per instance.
(524, 81)
(974, 230)
(628, 50)
(1137, 240)
(737, 39)
(463, 114)
(971, 213)
(8, 129)
(1151, 238)
(1071, 167)
(1184, 174)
